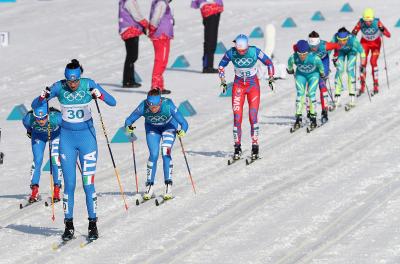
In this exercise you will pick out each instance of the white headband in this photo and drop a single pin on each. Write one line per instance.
(313, 41)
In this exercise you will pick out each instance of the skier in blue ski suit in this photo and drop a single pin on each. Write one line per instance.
(77, 137)
(161, 122)
(37, 123)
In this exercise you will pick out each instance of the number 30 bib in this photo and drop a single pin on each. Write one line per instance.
(76, 113)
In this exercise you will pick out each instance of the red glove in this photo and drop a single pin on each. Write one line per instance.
(152, 30)
(145, 24)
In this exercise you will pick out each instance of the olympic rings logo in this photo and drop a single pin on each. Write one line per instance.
(369, 31)
(40, 128)
(74, 96)
(158, 119)
(244, 61)
(307, 68)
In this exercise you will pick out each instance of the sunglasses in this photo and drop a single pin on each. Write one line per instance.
(73, 81)
(41, 118)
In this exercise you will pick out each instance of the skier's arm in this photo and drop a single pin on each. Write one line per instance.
(41, 99)
(320, 66)
(135, 115)
(223, 63)
(178, 116)
(332, 46)
(106, 97)
(356, 29)
(290, 63)
(26, 121)
(384, 30)
(359, 49)
(134, 10)
(266, 61)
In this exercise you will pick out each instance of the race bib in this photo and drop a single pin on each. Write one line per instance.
(245, 72)
(76, 113)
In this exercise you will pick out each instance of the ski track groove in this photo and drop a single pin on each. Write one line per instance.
(218, 223)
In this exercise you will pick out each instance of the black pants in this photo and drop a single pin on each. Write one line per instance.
(132, 52)
(211, 24)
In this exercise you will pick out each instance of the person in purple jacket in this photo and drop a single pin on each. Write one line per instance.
(131, 25)
(161, 31)
(211, 12)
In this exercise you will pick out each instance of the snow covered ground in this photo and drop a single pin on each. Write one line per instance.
(332, 196)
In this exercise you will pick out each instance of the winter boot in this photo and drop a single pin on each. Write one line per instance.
(254, 152)
(35, 193)
(149, 192)
(237, 152)
(168, 190)
(69, 230)
(93, 233)
(56, 194)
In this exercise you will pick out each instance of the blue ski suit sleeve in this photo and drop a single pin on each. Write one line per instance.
(106, 97)
(178, 116)
(266, 61)
(54, 91)
(224, 62)
(135, 115)
(26, 121)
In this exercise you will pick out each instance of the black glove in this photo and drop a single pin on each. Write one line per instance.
(289, 71)
(224, 86)
(354, 32)
(382, 29)
(322, 75)
(334, 60)
(362, 69)
(271, 81)
(29, 134)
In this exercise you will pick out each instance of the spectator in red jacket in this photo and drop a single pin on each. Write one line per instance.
(211, 12)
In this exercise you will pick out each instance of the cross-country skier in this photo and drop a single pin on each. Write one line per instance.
(244, 59)
(322, 48)
(37, 125)
(161, 123)
(350, 47)
(371, 30)
(77, 138)
(309, 70)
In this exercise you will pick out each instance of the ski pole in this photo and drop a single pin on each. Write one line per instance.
(134, 164)
(112, 157)
(384, 58)
(369, 95)
(330, 91)
(187, 165)
(51, 162)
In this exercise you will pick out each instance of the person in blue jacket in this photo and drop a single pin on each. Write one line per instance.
(161, 123)
(77, 138)
(37, 123)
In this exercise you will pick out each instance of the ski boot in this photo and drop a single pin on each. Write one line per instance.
(149, 192)
(238, 152)
(165, 91)
(376, 89)
(168, 190)
(69, 230)
(313, 121)
(93, 233)
(56, 193)
(297, 124)
(35, 193)
(254, 152)
(324, 116)
(351, 104)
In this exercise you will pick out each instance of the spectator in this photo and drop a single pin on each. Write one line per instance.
(131, 25)
(161, 31)
(211, 12)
